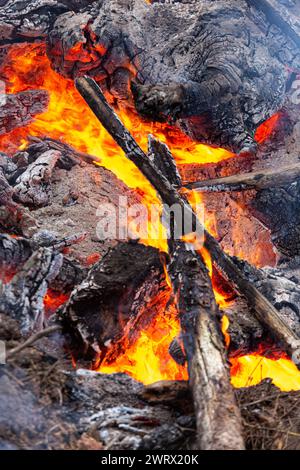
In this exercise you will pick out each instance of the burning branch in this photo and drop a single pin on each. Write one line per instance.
(264, 311)
(256, 180)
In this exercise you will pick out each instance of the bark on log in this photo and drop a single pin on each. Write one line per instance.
(217, 414)
(20, 109)
(163, 160)
(33, 186)
(23, 297)
(107, 308)
(264, 311)
(256, 180)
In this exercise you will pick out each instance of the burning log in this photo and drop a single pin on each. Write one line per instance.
(192, 80)
(23, 297)
(256, 180)
(33, 186)
(217, 414)
(20, 109)
(163, 160)
(264, 311)
(108, 305)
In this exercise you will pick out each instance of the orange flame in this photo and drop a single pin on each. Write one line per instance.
(250, 369)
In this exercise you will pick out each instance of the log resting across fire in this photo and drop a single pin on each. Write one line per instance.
(211, 66)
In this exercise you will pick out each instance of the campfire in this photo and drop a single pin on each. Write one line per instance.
(92, 120)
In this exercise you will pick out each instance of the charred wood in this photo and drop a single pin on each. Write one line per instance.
(217, 414)
(285, 14)
(33, 186)
(187, 71)
(281, 286)
(15, 251)
(69, 156)
(108, 306)
(23, 297)
(32, 20)
(20, 109)
(257, 180)
(278, 209)
(163, 160)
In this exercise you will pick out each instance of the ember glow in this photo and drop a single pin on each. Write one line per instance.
(69, 119)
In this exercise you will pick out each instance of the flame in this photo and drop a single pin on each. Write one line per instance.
(148, 358)
(69, 119)
(224, 328)
(250, 369)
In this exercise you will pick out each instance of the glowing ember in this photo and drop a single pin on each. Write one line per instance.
(267, 128)
(53, 300)
(69, 119)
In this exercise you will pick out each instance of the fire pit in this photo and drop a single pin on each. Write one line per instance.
(150, 232)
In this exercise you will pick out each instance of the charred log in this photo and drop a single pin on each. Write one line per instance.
(217, 415)
(163, 160)
(258, 180)
(20, 109)
(281, 286)
(278, 209)
(32, 20)
(108, 305)
(13, 252)
(285, 14)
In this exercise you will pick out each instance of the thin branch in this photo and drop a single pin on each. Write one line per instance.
(31, 340)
